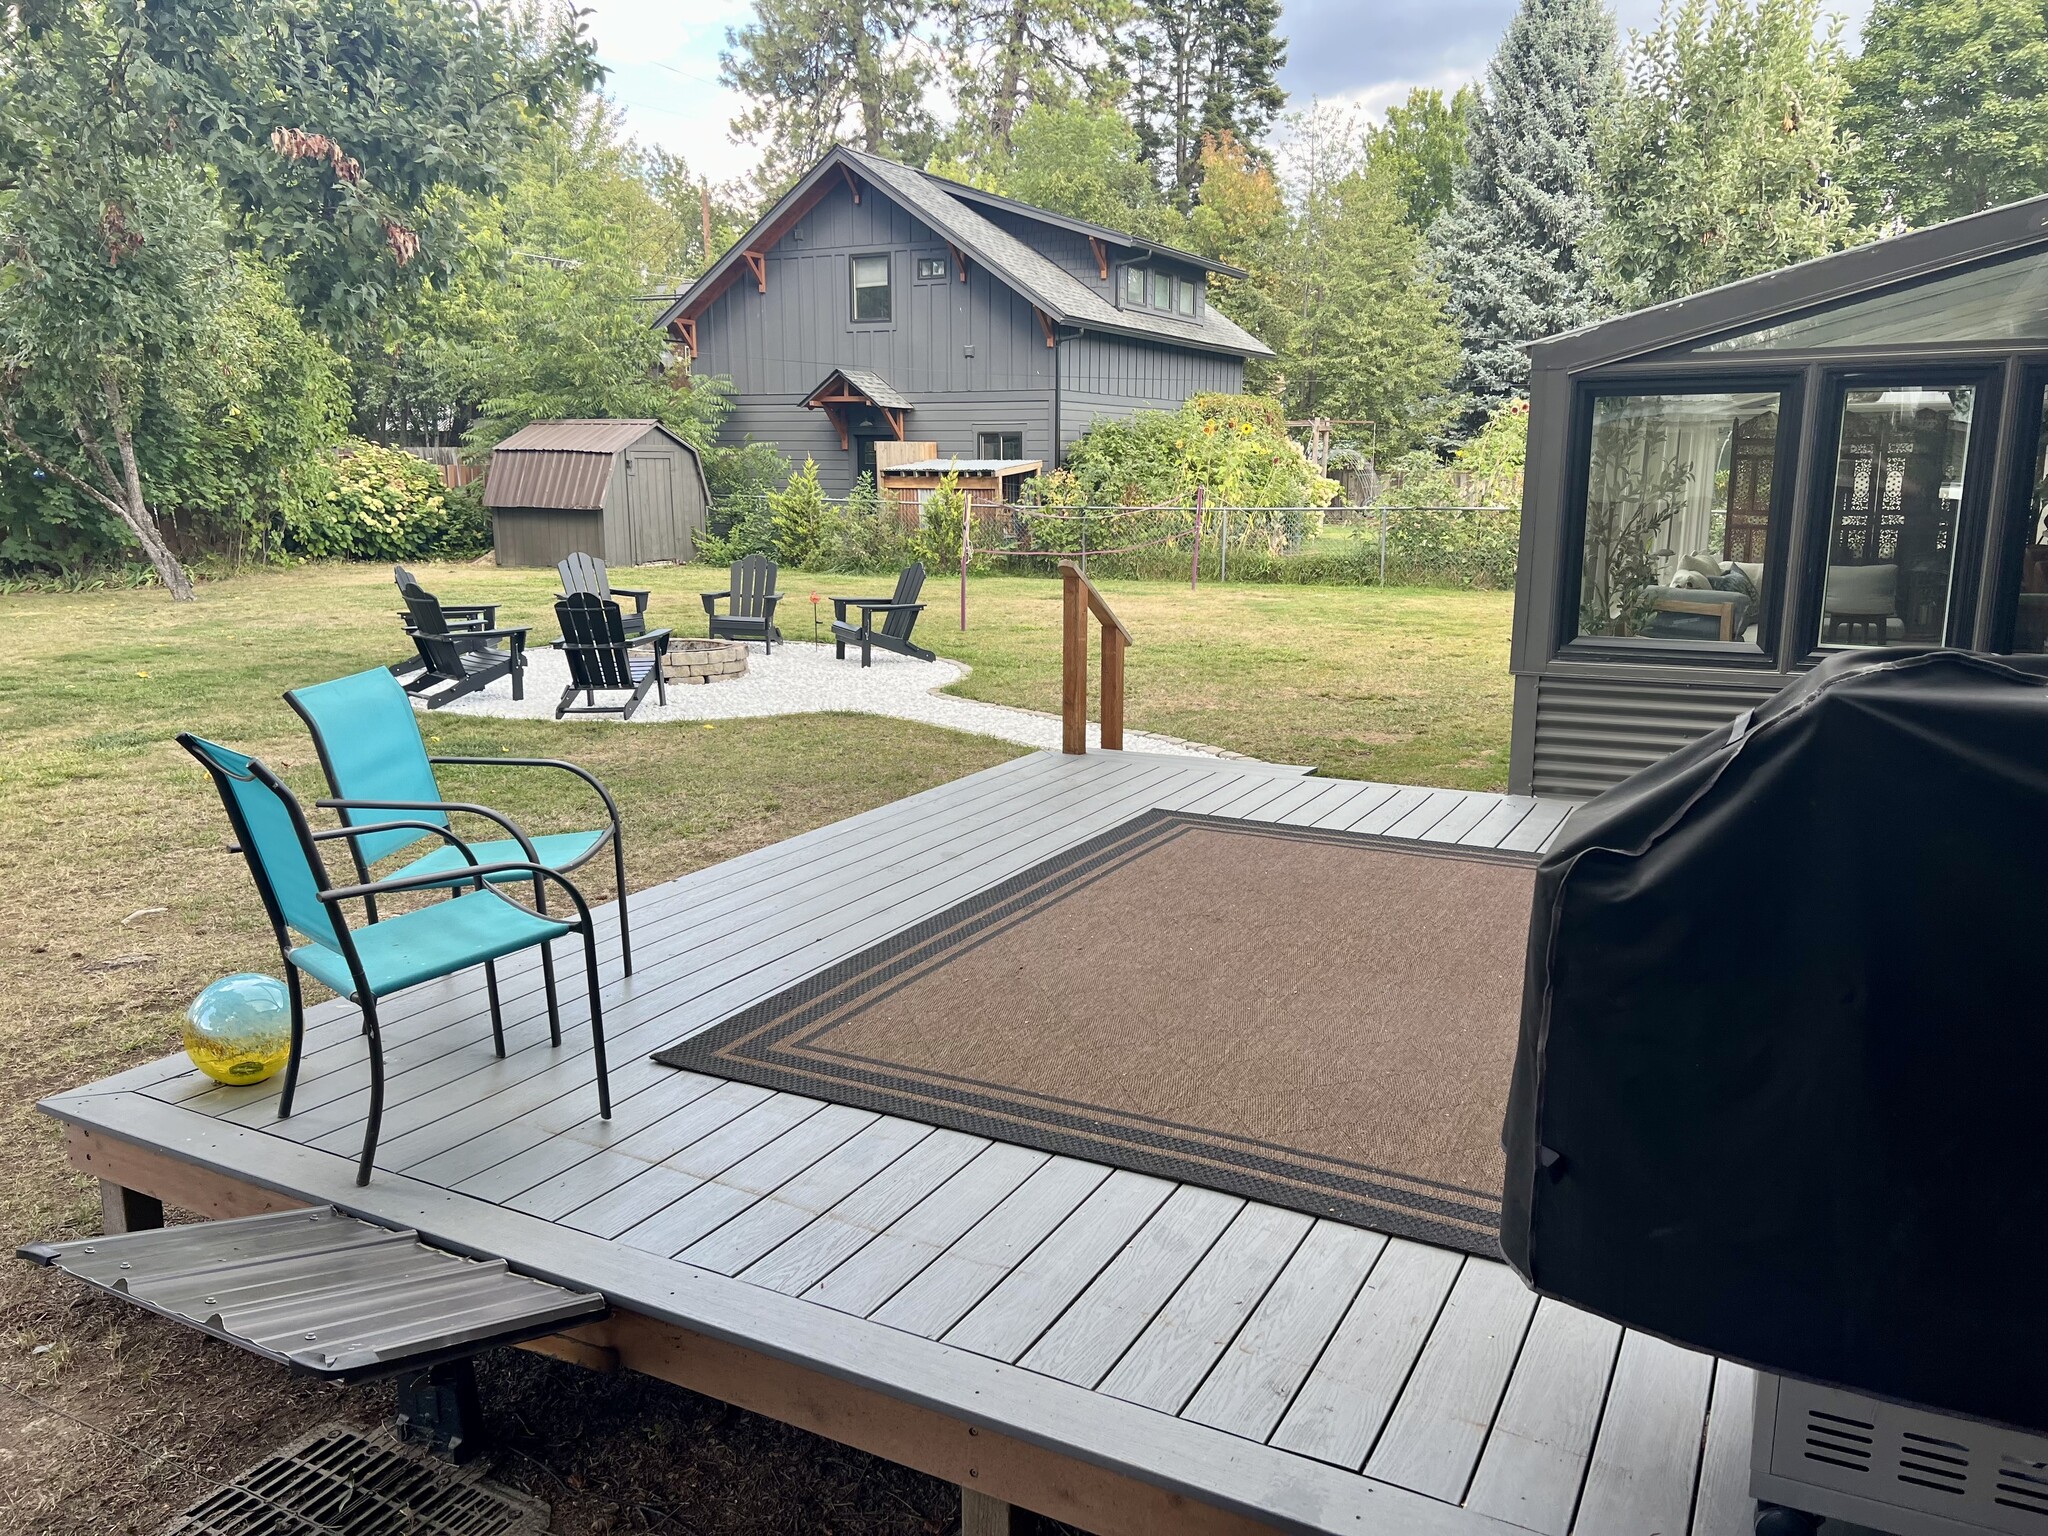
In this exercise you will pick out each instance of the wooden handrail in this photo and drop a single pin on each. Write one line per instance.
(1079, 598)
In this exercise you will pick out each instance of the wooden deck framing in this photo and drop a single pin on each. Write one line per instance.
(1115, 1350)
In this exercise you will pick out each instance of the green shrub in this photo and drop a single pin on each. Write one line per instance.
(862, 533)
(940, 521)
(798, 514)
(382, 504)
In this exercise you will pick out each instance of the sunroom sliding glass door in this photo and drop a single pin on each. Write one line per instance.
(1901, 465)
(2030, 616)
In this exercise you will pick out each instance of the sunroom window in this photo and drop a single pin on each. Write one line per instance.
(2005, 301)
(1677, 516)
(2030, 622)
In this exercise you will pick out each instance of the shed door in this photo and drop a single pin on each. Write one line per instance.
(650, 509)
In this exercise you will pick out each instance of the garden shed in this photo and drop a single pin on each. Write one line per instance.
(1725, 489)
(985, 483)
(629, 492)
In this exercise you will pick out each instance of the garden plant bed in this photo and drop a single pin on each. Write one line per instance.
(704, 661)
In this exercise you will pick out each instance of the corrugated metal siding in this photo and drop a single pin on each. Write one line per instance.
(602, 434)
(1592, 733)
(548, 478)
(321, 1290)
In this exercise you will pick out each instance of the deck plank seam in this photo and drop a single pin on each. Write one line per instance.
(1251, 1310)
(1493, 1417)
(1599, 1422)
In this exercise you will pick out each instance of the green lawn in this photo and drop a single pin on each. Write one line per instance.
(117, 901)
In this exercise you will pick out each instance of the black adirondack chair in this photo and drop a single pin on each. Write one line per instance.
(750, 605)
(460, 661)
(603, 658)
(587, 573)
(900, 615)
(458, 615)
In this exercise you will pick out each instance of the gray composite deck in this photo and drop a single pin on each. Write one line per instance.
(1317, 1375)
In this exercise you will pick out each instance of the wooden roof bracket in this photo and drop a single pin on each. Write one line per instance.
(895, 420)
(959, 260)
(852, 183)
(1101, 256)
(1045, 323)
(839, 421)
(757, 263)
(685, 327)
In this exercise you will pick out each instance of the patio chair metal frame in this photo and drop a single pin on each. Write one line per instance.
(599, 651)
(751, 600)
(307, 706)
(586, 573)
(894, 635)
(460, 661)
(331, 899)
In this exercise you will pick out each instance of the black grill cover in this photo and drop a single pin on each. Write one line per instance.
(1780, 1087)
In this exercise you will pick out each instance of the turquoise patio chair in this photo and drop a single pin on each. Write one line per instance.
(366, 962)
(369, 743)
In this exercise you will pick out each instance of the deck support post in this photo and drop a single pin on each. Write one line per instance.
(981, 1515)
(128, 1210)
(441, 1409)
(1073, 665)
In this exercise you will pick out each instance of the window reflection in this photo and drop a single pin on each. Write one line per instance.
(1898, 493)
(2030, 624)
(1678, 515)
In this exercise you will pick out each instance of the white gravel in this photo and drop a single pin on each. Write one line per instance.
(804, 679)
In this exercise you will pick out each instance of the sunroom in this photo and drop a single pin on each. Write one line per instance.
(1724, 489)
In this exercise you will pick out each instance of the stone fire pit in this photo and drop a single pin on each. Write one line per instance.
(704, 661)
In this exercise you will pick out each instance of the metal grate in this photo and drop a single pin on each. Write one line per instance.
(342, 1481)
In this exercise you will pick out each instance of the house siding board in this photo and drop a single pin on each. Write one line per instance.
(1108, 378)
(1590, 733)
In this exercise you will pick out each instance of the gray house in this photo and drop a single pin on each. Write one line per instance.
(1724, 489)
(875, 303)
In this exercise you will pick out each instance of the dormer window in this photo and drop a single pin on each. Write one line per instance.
(1167, 292)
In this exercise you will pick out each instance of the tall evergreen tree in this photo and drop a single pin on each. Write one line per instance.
(1950, 100)
(1199, 68)
(1722, 158)
(1017, 54)
(1512, 247)
(823, 72)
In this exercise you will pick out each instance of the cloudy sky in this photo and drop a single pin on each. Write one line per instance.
(664, 58)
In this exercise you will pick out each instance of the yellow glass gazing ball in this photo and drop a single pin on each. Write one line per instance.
(239, 1029)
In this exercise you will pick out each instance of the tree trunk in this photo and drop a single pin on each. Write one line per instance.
(133, 508)
(1009, 83)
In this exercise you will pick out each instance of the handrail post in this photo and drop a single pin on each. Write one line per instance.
(1073, 661)
(1112, 689)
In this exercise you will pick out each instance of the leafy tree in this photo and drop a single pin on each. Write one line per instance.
(1423, 142)
(1078, 159)
(1720, 158)
(111, 259)
(1512, 247)
(1014, 54)
(1950, 100)
(1371, 340)
(823, 72)
(1199, 68)
(335, 128)
(686, 197)
(1242, 220)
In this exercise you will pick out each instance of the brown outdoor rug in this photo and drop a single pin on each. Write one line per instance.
(1322, 1020)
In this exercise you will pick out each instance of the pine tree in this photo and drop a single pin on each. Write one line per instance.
(1512, 248)
(823, 72)
(1200, 68)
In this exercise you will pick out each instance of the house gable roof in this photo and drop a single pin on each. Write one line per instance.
(1755, 302)
(1121, 239)
(1056, 293)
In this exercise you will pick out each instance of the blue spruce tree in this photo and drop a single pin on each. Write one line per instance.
(1512, 248)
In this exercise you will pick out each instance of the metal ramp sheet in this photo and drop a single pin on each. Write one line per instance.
(323, 1292)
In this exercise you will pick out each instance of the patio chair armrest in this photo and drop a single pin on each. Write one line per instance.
(640, 595)
(888, 607)
(366, 828)
(447, 807)
(658, 638)
(516, 633)
(712, 599)
(488, 612)
(841, 604)
(610, 805)
(480, 873)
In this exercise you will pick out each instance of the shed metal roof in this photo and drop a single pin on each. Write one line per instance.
(1061, 296)
(564, 464)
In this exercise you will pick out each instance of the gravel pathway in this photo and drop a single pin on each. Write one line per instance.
(805, 679)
